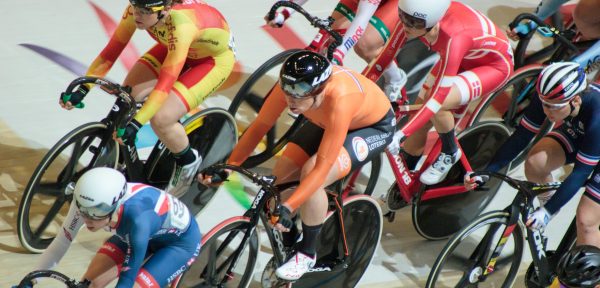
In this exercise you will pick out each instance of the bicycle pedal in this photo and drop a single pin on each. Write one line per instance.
(390, 216)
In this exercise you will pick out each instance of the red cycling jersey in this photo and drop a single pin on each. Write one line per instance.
(475, 55)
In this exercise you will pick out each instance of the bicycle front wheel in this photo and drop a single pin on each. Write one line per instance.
(213, 132)
(219, 246)
(247, 103)
(44, 203)
(464, 260)
(362, 226)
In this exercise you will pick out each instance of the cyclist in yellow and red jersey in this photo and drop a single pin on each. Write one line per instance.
(475, 60)
(350, 121)
(366, 26)
(193, 56)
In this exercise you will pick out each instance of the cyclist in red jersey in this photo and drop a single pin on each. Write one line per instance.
(193, 57)
(366, 26)
(350, 121)
(476, 59)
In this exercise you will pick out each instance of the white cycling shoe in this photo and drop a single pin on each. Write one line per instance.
(182, 176)
(296, 267)
(440, 168)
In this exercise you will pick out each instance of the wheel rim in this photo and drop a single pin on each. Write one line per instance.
(220, 246)
(46, 205)
(363, 228)
(459, 266)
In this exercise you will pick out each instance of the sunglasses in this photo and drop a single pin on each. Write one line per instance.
(552, 106)
(148, 10)
(410, 21)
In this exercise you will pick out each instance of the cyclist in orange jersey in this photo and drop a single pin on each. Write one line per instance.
(350, 121)
(193, 56)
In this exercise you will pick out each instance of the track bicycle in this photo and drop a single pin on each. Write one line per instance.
(488, 251)
(46, 199)
(33, 278)
(347, 242)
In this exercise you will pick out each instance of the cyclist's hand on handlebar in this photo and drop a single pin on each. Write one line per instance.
(538, 219)
(474, 182)
(285, 219)
(521, 30)
(278, 21)
(214, 178)
(128, 135)
(73, 100)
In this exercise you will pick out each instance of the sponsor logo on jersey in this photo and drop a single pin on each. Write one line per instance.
(147, 280)
(360, 147)
(344, 161)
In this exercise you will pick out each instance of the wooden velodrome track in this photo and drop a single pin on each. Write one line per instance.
(38, 34)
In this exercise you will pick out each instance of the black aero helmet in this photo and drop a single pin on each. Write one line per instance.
(304, 73)
(580, 267)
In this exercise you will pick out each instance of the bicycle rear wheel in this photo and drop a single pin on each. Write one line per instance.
(479, 143)
(465, 257)
(250, 98)
(218, 247)
(44, 203)
(362, 225)
(213, 132)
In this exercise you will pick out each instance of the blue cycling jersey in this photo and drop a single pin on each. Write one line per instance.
(147, 217)
(579, 136)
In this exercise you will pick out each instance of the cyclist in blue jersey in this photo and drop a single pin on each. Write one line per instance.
(155, 236)
(562, 97)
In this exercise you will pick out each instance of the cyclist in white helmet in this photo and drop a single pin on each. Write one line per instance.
(476, 59)
(366, 25)
(144, 220)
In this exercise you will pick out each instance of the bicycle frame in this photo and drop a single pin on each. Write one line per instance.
(259, 211)
(520, 208)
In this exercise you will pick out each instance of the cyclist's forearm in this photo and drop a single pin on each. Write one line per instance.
(248, 142)
(569, 187)
(358, 27)
(510, 149)
(548, 7)
(61, 243)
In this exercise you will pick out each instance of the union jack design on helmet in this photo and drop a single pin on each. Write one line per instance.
(559, 82)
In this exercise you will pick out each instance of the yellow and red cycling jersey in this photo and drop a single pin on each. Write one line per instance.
(193, 31)
(350, 102)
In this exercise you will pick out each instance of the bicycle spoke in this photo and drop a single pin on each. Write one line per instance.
(49, 189)
(49, 217)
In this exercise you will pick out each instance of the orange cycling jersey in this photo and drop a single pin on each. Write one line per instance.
(192, 32)
(350, 101)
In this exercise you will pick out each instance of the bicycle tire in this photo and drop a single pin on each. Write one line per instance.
(55, 275)
(248, 93)
(37, 241)
(363, 225)
(213, 133)
(521, 83)
(497, 221)
(195, 275)
(521, 79)
(479, 143)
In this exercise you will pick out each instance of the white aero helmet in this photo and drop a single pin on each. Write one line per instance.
(560, 82)
(428, 11)
(98, 192)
